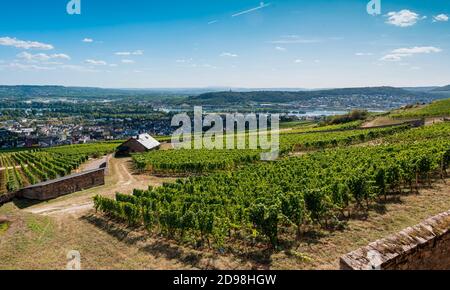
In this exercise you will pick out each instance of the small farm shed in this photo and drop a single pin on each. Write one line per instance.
(138, 144)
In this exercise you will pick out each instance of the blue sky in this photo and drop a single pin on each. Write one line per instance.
(231, 43)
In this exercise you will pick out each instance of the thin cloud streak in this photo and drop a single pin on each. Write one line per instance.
(261, 6)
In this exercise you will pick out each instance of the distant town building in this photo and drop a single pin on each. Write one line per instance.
(138, 144)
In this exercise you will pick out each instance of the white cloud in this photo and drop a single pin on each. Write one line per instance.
(298, 61)
(417, 49)
(60, 55)
(42, 56)
(400, 53)
(391, 57)
(8, 41)
(403, 18)
(212, 22)
(440, 18)
(228, 54)
(127, 61)
(279, 48)
(88, 40)
(28, 67)
(126, 53)
(95, 62)
(363, 54)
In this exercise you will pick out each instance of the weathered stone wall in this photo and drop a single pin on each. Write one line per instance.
(7, 197)
(65, 185)
(425, 246)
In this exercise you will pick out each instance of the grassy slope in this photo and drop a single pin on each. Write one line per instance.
(436, 109)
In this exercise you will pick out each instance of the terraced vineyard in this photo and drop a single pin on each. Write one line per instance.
(436, 109)
(27, 167)
(322, 140)
(264, 202)
(429, 133)
(315, 128)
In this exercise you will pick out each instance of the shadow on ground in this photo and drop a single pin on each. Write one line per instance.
(23, 203)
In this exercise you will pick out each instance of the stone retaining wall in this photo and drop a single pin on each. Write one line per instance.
(7, 197)
(425, 246)
(65, 185)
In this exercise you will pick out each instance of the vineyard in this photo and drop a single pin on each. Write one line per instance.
(28, 167)
(182, 162)
(436, 109)
(316, 128)
(264, 202)
(322, 140)
(194, 161)
(430, 133)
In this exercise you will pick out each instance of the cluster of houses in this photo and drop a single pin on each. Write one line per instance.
(31, 133)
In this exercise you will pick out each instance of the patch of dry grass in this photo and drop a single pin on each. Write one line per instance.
(38, 242)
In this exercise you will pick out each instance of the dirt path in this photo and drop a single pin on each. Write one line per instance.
(382, 121)
(94, 163)
(119, 178)
(16, 167)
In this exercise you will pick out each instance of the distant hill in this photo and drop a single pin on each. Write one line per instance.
(230, 97)
(210, 96)
(27, 91)
(420, 89)
(54, 91)
(442, 89)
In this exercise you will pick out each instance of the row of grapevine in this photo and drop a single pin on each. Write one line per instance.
(435, 109)
(264, 198)
(25, 167)
(316, 128)
(3, 177)
(193, 161)
(12, 181)
(437, 131)
(177, 162)
(321, 140)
